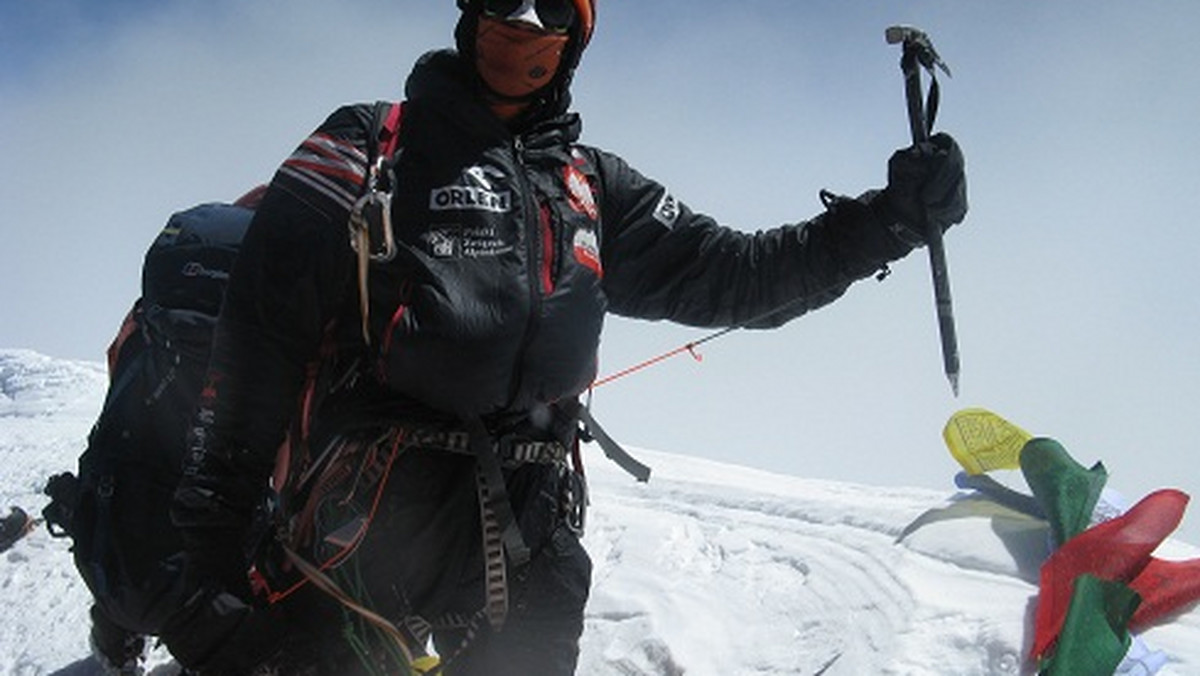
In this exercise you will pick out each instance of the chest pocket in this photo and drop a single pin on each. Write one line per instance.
(571, 221)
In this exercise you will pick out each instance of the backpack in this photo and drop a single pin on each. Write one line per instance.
(117, 508)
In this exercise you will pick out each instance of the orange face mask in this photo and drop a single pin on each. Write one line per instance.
(515, 60)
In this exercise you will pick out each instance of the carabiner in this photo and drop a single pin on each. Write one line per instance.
(371, 220)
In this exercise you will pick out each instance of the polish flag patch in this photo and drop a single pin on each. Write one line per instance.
(579, 193)
(587, 251)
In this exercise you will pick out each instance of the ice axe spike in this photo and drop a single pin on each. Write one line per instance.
(919, 53)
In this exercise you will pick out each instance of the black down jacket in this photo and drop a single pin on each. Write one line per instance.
(511, 250)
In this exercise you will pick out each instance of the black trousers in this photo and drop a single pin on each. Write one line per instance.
(423, 557)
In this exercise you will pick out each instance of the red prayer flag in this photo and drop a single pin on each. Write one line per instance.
(1116, 550)
(1165, 586)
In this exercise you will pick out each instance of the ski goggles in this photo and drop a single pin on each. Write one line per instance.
(551, 15)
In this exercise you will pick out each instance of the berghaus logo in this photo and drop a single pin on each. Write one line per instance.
(197, 269)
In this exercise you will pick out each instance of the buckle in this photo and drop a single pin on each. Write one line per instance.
(575, 502)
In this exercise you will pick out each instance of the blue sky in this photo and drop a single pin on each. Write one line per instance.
(1073, 277)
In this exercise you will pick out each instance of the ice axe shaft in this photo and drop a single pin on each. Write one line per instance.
(919, 53)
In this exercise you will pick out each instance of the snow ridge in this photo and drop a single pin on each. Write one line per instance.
(33, 385)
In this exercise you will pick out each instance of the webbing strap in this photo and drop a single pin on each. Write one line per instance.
(494, 570)
(931, 103)
(612, 449)
(497, 498)
(499, 525)
(509, 452)
(467, 626)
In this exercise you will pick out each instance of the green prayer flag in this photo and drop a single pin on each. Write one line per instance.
(1066, 490)
(1095, 635)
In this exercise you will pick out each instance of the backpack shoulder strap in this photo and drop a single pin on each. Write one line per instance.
(385, 131)
(371, 218)
(389, 135)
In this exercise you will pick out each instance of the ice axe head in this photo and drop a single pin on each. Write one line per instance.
(918, 53)
(916, 43)
(897, 34)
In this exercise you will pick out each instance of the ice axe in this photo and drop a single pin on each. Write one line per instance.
(919, 53)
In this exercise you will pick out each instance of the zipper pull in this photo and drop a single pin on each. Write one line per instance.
(519, 149)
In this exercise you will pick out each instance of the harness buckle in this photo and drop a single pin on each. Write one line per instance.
(575, 503)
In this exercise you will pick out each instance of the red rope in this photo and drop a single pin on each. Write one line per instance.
(690, 348)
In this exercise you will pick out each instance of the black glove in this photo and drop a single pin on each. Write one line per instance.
(926, 180)
(218, 633)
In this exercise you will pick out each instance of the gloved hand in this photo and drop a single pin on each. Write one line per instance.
(218, 633)
(926, 180)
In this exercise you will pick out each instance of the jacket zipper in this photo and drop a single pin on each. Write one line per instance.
(533, 235)
(549, 245)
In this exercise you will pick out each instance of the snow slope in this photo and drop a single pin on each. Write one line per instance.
(709, 569)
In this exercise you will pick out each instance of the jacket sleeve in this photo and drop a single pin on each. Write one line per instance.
(292, 275)
(664, 261)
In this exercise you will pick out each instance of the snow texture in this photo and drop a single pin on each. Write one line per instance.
(707, 570)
